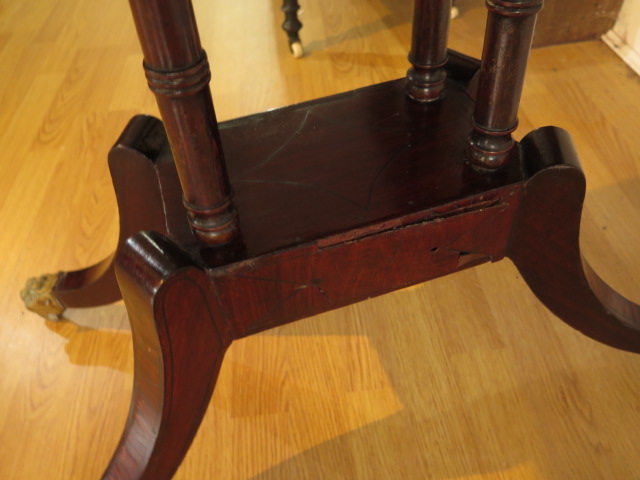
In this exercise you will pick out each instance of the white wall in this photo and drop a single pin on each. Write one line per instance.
(624, 38)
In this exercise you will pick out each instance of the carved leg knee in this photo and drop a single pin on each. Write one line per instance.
(180, 338)
(545, 246)
(143, 175)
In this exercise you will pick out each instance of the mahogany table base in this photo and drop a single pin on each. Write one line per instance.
(339, 199)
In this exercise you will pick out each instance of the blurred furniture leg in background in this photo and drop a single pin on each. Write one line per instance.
(379, 188)
(292, 26)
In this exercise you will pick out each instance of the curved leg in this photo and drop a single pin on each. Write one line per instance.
(179, 338)
(142, 174)
(545, 247)
(292, 26)
(88, 287)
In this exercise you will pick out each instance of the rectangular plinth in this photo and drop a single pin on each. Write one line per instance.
(356, 195)
(350, 161)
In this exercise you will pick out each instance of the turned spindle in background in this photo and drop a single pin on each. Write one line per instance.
(178, 73)
(507, 43)
(426, 77)
(292, 26)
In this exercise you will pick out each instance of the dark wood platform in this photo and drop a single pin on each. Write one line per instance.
(231, 229)
(294, 181)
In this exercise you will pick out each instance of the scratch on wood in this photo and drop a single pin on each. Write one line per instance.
(421, 219)
(273, 154)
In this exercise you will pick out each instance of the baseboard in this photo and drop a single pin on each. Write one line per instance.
(630, 56)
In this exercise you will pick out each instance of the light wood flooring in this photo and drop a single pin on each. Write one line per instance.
(467, 377)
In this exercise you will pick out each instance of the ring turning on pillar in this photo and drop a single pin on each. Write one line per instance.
(507, 42)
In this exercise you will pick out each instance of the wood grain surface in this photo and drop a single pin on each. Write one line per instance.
(466, 377)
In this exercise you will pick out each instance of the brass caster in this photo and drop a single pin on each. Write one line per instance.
(38, 297)
(296, 49)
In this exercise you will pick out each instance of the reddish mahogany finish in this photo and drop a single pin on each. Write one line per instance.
(287, 279)
(428, 55)
(551, 264)
(328, 237)
(507, 42)
(339, 199)
(166, 296)
(142, 170)
(178, 73)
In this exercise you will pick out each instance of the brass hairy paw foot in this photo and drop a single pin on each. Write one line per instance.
(38, 297)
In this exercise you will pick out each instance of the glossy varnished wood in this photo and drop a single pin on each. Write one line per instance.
(550, 259)
(553, 404)
(144, 179)
(507, 41)
(280, 274)
(428, 53)
(370, 155)
(178, 73)
(166, 295)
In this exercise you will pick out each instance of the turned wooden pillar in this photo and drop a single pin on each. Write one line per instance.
(507, 43)
(178, 73)
(426, 77)
(292, 25)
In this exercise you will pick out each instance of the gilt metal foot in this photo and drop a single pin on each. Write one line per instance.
(38, 297)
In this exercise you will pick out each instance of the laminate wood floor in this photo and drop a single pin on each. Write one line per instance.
(467, 377)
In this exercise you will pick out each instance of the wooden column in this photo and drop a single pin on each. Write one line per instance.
(178, 73)
(292, 26)
(507, 43)
(426, 77)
